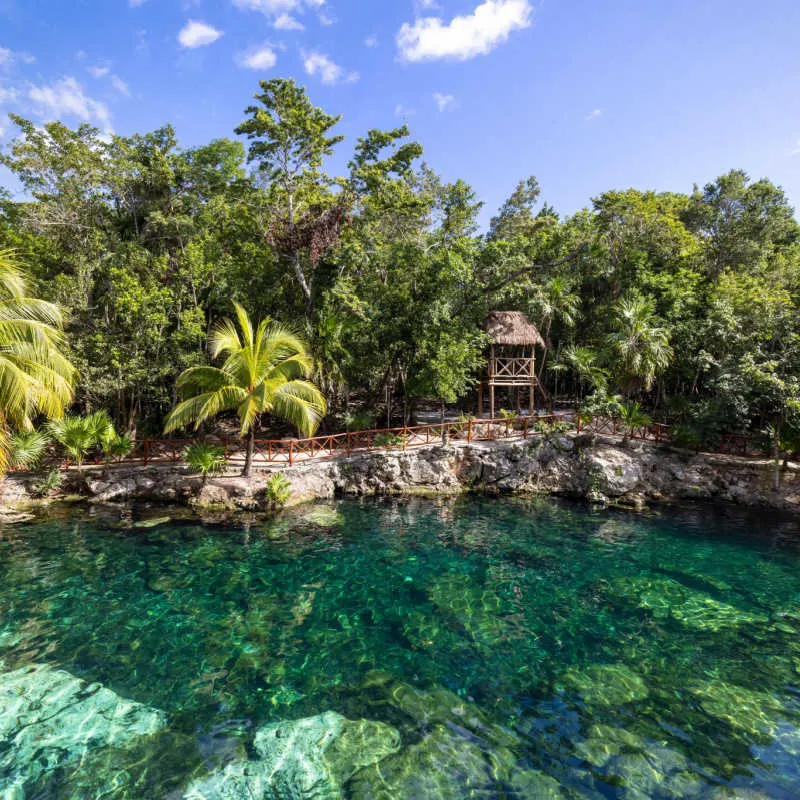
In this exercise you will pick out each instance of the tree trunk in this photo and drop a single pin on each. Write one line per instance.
(248, 460)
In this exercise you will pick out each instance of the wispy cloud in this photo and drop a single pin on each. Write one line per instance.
(328, 71)
(796, 149)
(371, 41)
(594, 114)
(98, 72)
(198, 34)
(120, 85)
(466, 36)
(262, 58)
(444, 102)
(67, 98)
(136, 3)
(401, 111)
(9, 57)
(286, 22)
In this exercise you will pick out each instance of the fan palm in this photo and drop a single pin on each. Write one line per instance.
(640, 341)
(35, 376)
(263, 373)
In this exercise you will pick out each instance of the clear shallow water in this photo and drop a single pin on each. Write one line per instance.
(521, 649)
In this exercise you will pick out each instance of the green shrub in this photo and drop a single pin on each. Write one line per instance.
(359, 421)
(49, 483)
(277, 491)
(205, 459)
(119, 447)
(507, 414)
(28, 448)
(389, 440)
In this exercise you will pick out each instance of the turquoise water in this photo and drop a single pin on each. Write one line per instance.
(520, 648)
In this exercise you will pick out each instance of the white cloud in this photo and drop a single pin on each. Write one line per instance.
(198, 34)
(262, 58)
(98, 72)
(286, 22)
(120, 85)
(67, 98)
(401, 111)
(796, 150)
(594, 114)
(328, 71)
(8, 95)
(464, 37)
(371, 41)
(277, 6)
(8, 57)
(136, 3)
(444, 102)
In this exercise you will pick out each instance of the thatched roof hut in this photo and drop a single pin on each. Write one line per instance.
(512, 328)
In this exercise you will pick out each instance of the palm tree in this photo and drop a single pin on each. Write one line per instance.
(585, 363)
(35, 376)
(262, 374)
(556, 300)
(640, 341)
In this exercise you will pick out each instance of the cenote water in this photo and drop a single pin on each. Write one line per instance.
(498, 649)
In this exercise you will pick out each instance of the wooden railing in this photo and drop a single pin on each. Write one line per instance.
(510, 368)
(290, 452)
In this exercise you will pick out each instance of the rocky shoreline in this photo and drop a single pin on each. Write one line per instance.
(599, 469)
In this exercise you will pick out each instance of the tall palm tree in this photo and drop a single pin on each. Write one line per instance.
(640, 341)
(263, 373)
(35, 376)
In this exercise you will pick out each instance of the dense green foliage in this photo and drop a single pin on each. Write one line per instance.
(687, 304)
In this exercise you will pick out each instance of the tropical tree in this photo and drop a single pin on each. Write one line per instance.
(35, 376)
(640, 342)
(263, 373)
(584, 362)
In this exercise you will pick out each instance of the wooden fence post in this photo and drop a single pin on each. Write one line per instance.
(469, 432)
(405, 434)
(348, 444)
(146, 451)
(291, 453)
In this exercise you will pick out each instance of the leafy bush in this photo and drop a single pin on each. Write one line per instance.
(119, 447)
(601, 404)
(49, 483)
(277, 491)
(359, 421)
(389, 440)
(507, 414)
(205, 459)
(28, 448)
(633, 416)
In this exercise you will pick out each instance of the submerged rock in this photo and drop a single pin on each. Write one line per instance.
(750, 711)
(448, 765)
(307, 758)
(607, 684)
(666, 598)
(50, 719)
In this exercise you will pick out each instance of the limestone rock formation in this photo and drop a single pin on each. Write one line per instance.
(309, 758)
(50, 719)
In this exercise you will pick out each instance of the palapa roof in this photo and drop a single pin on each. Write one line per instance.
(512, 327)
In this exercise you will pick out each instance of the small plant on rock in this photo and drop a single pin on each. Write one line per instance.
(49, 483)
(633, 416)
(277, 491)
(205, 459)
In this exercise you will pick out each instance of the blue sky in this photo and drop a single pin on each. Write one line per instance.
(588, 95)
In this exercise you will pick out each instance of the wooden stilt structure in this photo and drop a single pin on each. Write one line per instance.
(512, 359)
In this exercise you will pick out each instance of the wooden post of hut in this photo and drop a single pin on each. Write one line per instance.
(512, 357)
